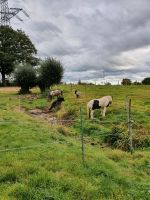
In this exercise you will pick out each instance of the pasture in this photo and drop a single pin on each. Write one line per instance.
(42, 160)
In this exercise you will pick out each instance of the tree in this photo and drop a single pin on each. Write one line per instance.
(126, 81)
(15, 47)
(146, 81)
(50, 73)
(25, 77)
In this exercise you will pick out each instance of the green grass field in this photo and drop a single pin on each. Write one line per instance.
(41, 161)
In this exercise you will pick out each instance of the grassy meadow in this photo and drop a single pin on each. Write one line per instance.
(42, 161)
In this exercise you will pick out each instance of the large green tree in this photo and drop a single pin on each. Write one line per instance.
(50, 73)
(15, 47)
(126, 81)
(25, 77)
(146, 81)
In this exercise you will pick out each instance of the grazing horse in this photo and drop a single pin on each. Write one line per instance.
(77, 93)
(56, 93)
(101, 103)
(56, 103)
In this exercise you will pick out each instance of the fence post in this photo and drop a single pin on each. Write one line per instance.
(130, 126)
(82, 142)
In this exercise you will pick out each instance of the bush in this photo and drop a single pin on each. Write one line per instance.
(25, 77)
(119, 138)
(50, 73)
(141, 138)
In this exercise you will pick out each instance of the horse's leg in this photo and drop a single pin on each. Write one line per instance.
(101, 111)
(104, 111)
(92, 113)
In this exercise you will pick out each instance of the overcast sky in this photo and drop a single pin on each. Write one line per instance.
(92, 38)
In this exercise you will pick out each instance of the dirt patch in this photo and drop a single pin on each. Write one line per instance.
(43, 114)
(29, 97)
(49, 117)
(46, 115)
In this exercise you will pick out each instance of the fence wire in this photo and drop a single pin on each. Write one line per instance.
(58, 121)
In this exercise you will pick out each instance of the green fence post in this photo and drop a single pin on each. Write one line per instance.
(130, 126)
(81, 128)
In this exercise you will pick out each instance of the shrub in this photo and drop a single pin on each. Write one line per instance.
(119, 138)
(141, 138)
(25, 77)
(50, 73)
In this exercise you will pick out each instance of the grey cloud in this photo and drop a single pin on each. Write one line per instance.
(91, 36)
(42, 26)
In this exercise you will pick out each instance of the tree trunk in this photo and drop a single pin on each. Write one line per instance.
(3, 79)
(24, 90)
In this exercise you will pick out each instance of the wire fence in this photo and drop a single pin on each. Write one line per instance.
(81, 123)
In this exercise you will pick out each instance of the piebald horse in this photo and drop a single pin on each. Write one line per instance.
(101, 103)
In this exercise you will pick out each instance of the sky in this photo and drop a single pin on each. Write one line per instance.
(95, 40)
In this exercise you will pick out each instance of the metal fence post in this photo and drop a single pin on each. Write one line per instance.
(82, 141)
(130, 126)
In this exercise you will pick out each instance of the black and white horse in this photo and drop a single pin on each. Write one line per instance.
(101, 103)
(56, 103)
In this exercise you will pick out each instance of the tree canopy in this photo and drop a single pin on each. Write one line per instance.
(50, 73)
(25, 77)
(15, 47)
(146, 81)
(126, 81)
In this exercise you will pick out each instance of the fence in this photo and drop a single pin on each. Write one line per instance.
(81, 122)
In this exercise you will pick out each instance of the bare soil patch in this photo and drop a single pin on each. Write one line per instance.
(43, 114)
(49, 117)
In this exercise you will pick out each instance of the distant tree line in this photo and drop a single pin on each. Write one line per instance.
(125, 81)
(145, 81)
